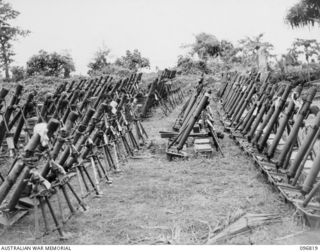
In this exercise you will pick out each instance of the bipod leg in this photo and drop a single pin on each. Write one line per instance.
(95, 175)
(95, 158)
(66, 196)
(82, 179)
(138, 132)
(60, 204)
(134, 141)
(311, 194)
(91, 181)
(121, 145)
(118, 146)
(107, 156)
(126, 145)
(44, 215)
(116, 157)
(36, 219)
(79, 176)
(54, 217)
(142, 129)
(108, 181)
(81, 203)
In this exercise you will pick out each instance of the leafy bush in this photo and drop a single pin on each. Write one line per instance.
(206, 46)
(133, 61)
(50, 64)
(112, 69)
(187, 65)
(297, 74)
(99, 61)
(18, 73)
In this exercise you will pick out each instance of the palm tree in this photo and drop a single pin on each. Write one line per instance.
(306, 12)
(251, 46)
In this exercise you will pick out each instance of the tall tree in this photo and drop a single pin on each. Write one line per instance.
(250, 47)
(205, 46)
(8, 34)
(307, 47)
(228, 52)
(133, 61)
(100, 61)
(306, 12)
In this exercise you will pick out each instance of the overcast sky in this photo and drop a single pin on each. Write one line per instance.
(156, 27)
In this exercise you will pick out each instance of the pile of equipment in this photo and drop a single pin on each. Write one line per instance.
(63, 150)
(195, 122)
(278, 126)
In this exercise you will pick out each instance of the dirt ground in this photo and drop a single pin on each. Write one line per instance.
(154, 201)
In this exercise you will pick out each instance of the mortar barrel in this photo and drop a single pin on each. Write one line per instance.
(296, 127)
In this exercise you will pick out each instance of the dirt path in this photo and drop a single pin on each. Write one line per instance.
(159, 202)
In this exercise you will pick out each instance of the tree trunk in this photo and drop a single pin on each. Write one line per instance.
(66, 73)
(308, 69)
(5, 61)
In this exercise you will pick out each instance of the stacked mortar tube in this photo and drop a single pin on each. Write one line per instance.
(267, 120)
(195, 111)
(162, 92)
(85, 130)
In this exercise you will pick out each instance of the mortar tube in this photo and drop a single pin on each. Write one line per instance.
(85, 101)
(72, 102)
(85, 152)
(191, 102)
(245, 103)
(193, 108)
(247, 119)
(239, 91)
(80, 130)
(101, 93)
(3, 94)
(95, 86)
(8, 112)
(263, 124)
(229, 92)
(232, 95)
(103, 86)
(146, 105)
(65, 132)
(264, 108)
(257, 119)
(234, 101)
(258, 105)
(91, 125)
(242, 89)
(237, 83)
(61, 100)
(296, 127)
(303, 150)
(18, 167)
(230, 82)
(71, 85)
(45, 108)
(201, 106)
(301, 166)
(312, 176)
(239, 105)
(282, 126)
(186, 120)
(21, 122)
(269, 127)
